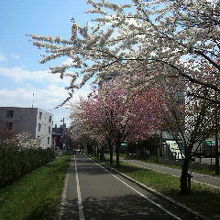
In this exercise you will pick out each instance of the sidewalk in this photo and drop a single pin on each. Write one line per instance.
(197, 177)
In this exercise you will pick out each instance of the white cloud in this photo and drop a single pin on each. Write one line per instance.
(20, 73)
(46, 98)
(15, 56)
(2, 57)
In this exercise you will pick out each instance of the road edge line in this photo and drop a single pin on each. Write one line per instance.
(155, 192)
(139, 193)
(63, 196)
(79, 195)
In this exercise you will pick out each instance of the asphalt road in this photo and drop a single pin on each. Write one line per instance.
(95, 193)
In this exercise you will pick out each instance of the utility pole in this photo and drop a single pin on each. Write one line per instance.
(33, 101)
(216, 139)
(63, 134)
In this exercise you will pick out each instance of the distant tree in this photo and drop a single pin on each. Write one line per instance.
(115, 117)
(17, 140)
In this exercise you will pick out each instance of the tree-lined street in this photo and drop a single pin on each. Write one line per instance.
(102, 194)
(149, 75)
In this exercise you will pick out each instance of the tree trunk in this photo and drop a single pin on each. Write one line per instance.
(216, 157)
(216, 144)
(128, 150)
(102, 153)
(184, 177)
(111, 154)
(117, 153)
(96, 152)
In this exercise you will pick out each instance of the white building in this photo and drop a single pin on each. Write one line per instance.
(37, 122)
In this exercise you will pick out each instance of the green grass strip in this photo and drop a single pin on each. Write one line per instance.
(35, 196)
(203, 199)
(153, 159)
(179, 167)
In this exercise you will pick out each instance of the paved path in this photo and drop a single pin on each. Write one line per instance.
(197, 177)
(95, 193)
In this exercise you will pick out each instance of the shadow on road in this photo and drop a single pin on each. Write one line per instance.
(123, 207)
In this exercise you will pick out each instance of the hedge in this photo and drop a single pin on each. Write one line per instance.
(14, 161)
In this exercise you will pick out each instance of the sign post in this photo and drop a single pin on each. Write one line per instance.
(124, 144)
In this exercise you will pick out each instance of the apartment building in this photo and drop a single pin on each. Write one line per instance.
(37, 122)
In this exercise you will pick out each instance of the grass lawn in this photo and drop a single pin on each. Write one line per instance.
(203, 199)
(36, 195)
(202, 171)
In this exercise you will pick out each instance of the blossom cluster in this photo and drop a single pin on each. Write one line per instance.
(20, 140)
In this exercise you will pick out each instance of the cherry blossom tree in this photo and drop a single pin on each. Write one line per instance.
(189, 119)
(176, 39)
(115, 117)
(163, 39)
(86, 124)
(18, 140)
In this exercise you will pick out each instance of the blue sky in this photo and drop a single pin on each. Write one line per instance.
(21, 74)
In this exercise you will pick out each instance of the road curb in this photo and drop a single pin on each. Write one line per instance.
(155, 192)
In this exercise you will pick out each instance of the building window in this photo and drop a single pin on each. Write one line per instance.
(40, 115)
(9, 125)
(49, 130)
(50, 118)
(10, 114)
(39, 126)
(48, 140)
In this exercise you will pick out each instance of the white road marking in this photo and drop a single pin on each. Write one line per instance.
(63, 200)
(139, 193)
(81, 213)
